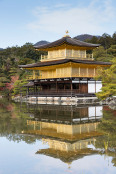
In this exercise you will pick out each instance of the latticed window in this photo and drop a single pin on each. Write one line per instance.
(82, 53)
(76, 53)
(50, 53)
(69, 53)
(90, 72)
(83, 72)
(61, 53)
(63, 72)
(75, 72)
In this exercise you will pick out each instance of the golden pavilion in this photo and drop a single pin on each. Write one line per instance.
(68, 69)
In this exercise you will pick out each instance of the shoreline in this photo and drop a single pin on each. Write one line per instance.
(111, 101)
(59, 100)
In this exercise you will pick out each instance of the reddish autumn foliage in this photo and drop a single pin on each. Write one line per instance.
(10, 107)
(11, 84)
(106, 108)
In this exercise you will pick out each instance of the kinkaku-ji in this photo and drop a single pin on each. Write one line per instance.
(68, 69)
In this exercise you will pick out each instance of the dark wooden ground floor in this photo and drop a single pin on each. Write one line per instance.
(61, 87)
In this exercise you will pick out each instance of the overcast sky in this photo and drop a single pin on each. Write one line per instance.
(24, 21)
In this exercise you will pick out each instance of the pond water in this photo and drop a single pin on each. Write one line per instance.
(48, 139)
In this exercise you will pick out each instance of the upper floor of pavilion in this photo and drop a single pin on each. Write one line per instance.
(66, 58)
(67, 48)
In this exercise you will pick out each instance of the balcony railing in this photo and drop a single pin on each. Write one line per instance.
(89, 56)
(60, 93)
(43, 57)
(46, 57)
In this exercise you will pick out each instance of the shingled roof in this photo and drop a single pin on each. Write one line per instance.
(62, 61)
(66, 40)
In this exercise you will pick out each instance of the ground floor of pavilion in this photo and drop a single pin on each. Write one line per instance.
(63, 87)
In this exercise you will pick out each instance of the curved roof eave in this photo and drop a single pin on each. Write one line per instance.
(57, 62)
(68, 40)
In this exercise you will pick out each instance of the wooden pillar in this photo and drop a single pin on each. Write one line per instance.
(79, 85)
(40, 86)
(56, 86)
(79, 71)
(94, 72)
(64, 87)
(71, 87)
(87, 73)
(87, 85)
(34, 89)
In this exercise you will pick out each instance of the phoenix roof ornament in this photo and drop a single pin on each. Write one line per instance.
(66, 35)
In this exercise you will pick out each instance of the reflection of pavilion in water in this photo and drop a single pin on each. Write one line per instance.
(67, 151)
(65, 114)
(67, 130)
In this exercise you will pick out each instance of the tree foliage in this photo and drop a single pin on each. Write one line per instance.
(105, 40)
(108, 77)
(100, 54)
(10, 58)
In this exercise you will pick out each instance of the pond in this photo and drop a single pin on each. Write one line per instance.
(48, 139)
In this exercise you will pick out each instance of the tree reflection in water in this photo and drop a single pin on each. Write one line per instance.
(13, 119)
(107, 143)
